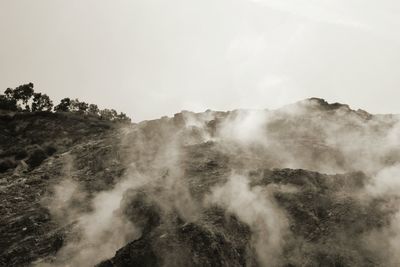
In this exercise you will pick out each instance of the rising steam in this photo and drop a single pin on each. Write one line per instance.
(255, 207)
(311, 135)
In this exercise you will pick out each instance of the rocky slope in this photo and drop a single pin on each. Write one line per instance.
(298, 186)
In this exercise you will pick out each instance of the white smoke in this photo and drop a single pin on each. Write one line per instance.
(255, 207)
(96, 234)
(386, 185)
(246, 127)
(293, 137)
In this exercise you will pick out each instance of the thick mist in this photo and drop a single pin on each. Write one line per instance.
(160, 180)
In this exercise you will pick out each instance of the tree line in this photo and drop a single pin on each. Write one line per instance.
(24, 99)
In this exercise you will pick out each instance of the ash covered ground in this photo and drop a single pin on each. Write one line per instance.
(310, 184)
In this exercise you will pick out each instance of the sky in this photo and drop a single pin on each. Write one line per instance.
(150, 58)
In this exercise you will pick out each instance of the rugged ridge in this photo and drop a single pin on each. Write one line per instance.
(285, 187)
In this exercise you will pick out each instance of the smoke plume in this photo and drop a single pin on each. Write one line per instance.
(255, 207)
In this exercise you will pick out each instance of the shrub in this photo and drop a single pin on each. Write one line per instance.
(79, 106)
(93, 110)
(64, 106)
(22, 93)
(121, 117)
(8, 103)
(41, 102)
(20, 154)
(36, 158)
(108, 114)
(50, 150)
(7, 164)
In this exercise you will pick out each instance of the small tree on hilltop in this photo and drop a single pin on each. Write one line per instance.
(9, 93)
(74, 105)
(64, 106)
(83, 106)
(41, 102)
(23, 93)
(121, 117)
(106, 114)
(78, 106)
(93, 110)
(114, 114)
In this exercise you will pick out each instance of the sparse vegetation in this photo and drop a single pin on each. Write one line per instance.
(24, 99)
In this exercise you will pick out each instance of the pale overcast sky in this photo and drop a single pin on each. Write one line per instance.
(151, 58)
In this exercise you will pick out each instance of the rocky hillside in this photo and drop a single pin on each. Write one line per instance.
(310, 184)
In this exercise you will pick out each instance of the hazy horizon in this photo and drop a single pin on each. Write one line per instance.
(154, 58)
